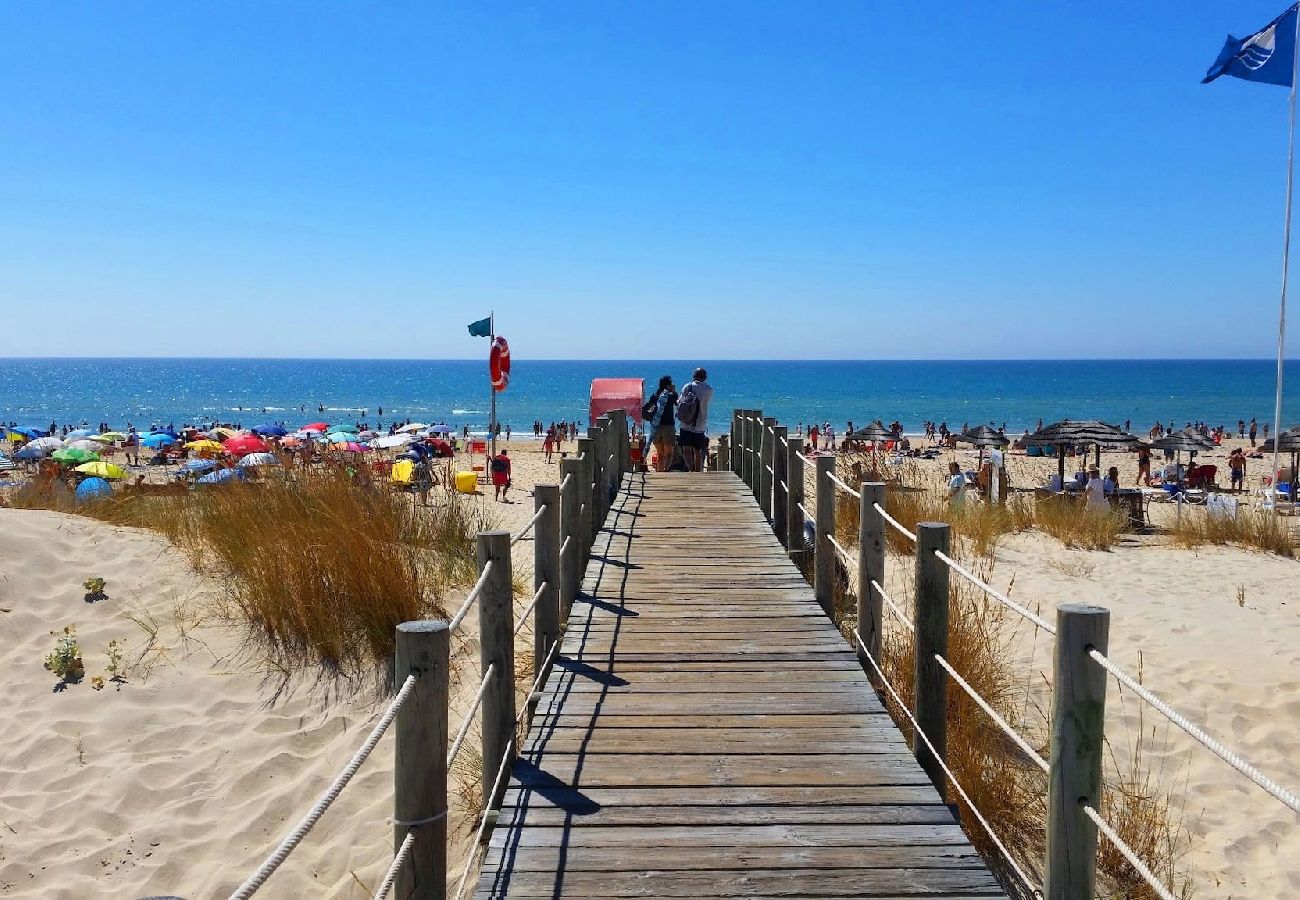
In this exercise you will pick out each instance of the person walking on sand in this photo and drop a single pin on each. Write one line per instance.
(956, 485)
(1144, 466)
(1237, 466)
(658, 414)
(1254, 430)
(693, 416)
(548, 443)
(501, 476)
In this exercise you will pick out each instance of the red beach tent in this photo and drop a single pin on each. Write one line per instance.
(617, 393)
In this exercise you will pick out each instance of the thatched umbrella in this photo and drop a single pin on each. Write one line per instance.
(1287, 442)
(983, 436)
(874, 432)
(1069, 433)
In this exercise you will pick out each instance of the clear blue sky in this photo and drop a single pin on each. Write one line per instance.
(841, 180)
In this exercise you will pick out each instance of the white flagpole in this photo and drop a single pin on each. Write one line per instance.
(1286, 263)
(492, 339)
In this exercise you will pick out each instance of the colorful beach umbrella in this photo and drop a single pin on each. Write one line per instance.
(48, 444)
(205, 444)
(23, 433)
(322, 427)
(270, 429)
(348, 446)
(413, 427)
(220, 476)
(440, 429)
(73, 455)
(337, 437)
(77, 433)
(93, 489)
(108, 437)
(259, 459)
(196, 467)
(222, 432)
(84, 444)
(394, 440)
(157, 440)
(102, 470)
(244, 444)
(30, 453)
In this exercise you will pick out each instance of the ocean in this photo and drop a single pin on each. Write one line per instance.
(142, 392)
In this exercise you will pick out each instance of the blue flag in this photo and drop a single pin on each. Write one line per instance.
(1268, 55)
(481, 328)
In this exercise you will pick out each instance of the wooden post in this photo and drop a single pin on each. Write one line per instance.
(780, 499)
(598, 464)
(748, 425)
(741, 450)
(546, 571)
(420, 758)
(756, 458)
(621, 445)
(1078, 732)
(724, 453)
(735, 443)
(930, 620)
(824, 555)
(570, 530)
(765, 468)
(496, 630)
(871, 567)
(586, 496)
(793, 514)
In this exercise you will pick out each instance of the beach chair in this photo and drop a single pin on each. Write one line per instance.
(476, 447)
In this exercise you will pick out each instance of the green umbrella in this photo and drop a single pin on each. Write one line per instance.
(74, 455)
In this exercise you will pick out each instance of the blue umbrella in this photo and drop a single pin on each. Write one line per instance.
(78, 433)
(93, 489)
(29, 453)
(198, 466)
(271, 429)
(29, 433)
(220, 477)
(157, 439)
(259, 459)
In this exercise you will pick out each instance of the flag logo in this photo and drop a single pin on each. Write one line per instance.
(1258, 49)
(1267, 56)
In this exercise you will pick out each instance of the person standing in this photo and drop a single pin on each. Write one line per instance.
(658, 413)
(1144, 466)
(501, 476)
(1254, 430)
(1095, 491)
(1237, 466)
(693, 416)
(956, 485)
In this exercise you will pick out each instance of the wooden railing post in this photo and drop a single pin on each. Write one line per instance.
(736, 443)
(598, 464)
(420, 758)
(871, 567)
(546, 573)
(824, 555)
(1078, 734)
(756, 460)
(621, 446)
(742, 445)
(496, 630)
(751, 445)
(724, 453)
(766, 453)
(586, 498)
(570, 530)
(930, 621)
(794, 542)
(780, 518)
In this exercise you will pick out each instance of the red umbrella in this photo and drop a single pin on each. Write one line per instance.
(317, 426)
(244, 444)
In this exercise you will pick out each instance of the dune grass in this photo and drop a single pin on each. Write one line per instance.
(1195, 527)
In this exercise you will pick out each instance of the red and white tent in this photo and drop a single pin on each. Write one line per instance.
(617, 393)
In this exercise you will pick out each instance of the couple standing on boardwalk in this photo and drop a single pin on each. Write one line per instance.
(681, 450)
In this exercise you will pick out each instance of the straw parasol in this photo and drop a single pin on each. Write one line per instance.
(983, 436)
(1071, 433)
(1287, 442)
(873, 432)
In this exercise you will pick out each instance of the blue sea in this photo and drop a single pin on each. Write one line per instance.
(142, 392)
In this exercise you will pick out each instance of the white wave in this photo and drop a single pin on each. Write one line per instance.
(468, 412)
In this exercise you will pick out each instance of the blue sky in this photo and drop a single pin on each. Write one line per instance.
(744, 180)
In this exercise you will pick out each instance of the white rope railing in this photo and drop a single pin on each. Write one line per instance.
(1127, 852)
(565, 481)
(294, 838)
(842, 485)
(564, 545)
(769, 469)
(993, 714)
(399, 859)
(893, 607)
(938, 758)
(850, 562)
(1281, 794)
(528, 526)
(532, 604)
(802, 457)
(997, 595)
(897, 525)
(469, 715)
(807, 515)
(470, 597)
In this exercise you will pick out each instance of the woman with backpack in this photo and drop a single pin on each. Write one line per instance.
(658, 415)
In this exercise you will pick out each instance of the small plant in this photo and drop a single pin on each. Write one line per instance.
(113, 650)
(97, 682)
(1241, 595)
(94, 588)
(65, 659)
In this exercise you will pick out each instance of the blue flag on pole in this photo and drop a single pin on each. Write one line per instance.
(481, 328)
(1268, 55)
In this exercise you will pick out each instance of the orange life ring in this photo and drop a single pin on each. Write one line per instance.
(499, 364)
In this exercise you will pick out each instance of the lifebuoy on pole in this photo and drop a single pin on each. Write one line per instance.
(499, 364)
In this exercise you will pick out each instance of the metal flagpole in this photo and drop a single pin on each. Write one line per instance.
(492, 339)
(1286, 263)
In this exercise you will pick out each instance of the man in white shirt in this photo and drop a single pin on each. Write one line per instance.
(956, 485)
(693, 435)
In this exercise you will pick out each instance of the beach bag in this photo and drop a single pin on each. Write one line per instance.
(688, 407)
(498, 464)
(650, 408)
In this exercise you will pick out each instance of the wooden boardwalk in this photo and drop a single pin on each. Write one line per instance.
(707, 732)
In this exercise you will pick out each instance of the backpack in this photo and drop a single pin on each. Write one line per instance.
(498, 464)
(650, 407)
(688, 407)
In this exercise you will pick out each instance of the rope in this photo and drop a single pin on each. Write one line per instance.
(564, 545)
(469, 716)
(390, 877)
(996, 595)
(1127, 852)
(537, 517)
(801, 456)
(1277, 791)
(470, 598)
(894, 607)
(993, 714)
(807, 515)
(566, 480)
(769, 468)
(294, 838)
(849, 561)
(835, 479)
(532, 604)
(898, 526)
(785, 487)
(943, 765)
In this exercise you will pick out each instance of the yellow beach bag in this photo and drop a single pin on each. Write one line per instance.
(403, 472)
(466, 482)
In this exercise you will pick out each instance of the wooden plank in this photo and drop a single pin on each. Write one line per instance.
(605, 859)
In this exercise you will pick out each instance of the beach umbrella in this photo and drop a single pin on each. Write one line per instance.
(260, 459)
(440, 429)
(243, 444)
(220, 476)
(78, 433)
(322, 427)
(47, 444)
(84, 444)
(157, 440)
(270, 429)
(93, 489)
(223, 432)
(983, 436)
(337, 437)
(29, 453)
(102, 470)
(24, 433)
(394, 440)
(1070, 433)
(367, 434)
(349, 446)
(413, 428)
(196, 467)
(1287, 442)
(108, 437)
(205, 444)
(73, 455)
